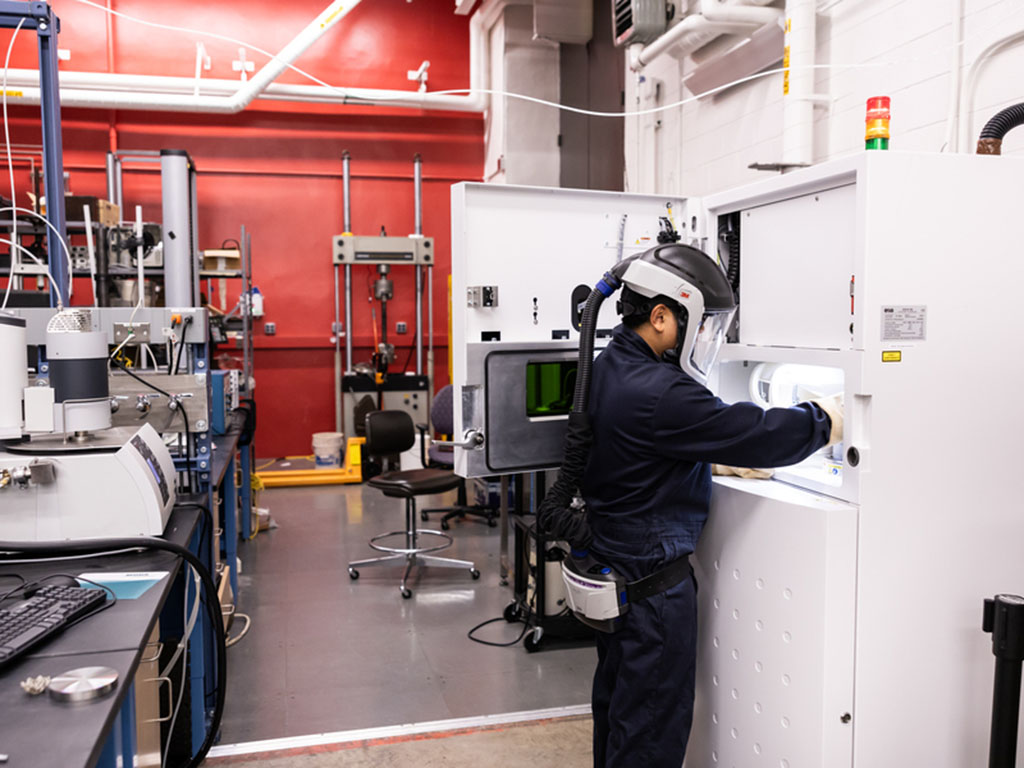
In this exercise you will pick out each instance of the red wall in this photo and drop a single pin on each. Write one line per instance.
(276, 168)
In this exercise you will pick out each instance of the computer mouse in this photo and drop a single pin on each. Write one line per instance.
(60, 580)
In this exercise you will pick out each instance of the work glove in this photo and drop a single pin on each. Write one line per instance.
(833, 407)
(744, 472)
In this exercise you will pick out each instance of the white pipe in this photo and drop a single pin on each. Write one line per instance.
(798, 84)
(955, 78)
(755, 15)
(716, 17)
(150, 92)
(967, 96)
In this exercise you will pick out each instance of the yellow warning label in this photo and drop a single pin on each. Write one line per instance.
(13, 94)
(332, 16)
(789, 26)
(785, 82)
(785, 56)
(892, 356)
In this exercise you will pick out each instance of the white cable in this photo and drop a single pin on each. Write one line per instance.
(183, 647)
(67, 252)
(90, 246)
(37, 260)
(189, 625)
(10, 160)
(413, 95)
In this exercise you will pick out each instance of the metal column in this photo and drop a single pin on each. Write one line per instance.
(247, 363)
(346, 178)
(177, 211)
(53, 152)
(112, 177)
(418, 184)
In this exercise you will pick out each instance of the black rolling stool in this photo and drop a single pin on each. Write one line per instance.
(389, 433)
(443, 457)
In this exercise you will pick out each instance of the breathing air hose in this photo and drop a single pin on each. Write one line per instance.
(59, 549)
(990, 142)
(560, 516)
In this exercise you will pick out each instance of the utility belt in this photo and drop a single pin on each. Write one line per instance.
(599, 596)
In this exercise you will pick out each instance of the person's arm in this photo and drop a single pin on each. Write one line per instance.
(691, 424)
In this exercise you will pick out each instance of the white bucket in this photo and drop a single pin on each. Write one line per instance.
(327, 449)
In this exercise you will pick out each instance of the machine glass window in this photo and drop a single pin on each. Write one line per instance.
(549, 388)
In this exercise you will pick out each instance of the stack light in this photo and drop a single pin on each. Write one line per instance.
(876, 128)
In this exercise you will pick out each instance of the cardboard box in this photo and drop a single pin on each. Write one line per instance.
(101, 211)
(222, 259)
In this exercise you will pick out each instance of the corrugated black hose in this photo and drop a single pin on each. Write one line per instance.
(557, 517)
(991, 139)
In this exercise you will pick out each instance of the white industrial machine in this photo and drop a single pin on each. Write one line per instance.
(524, 260)
(95, 494)
(841, 608)
(64, 473)
(841, 602)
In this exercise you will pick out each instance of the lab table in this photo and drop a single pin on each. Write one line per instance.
(40, 732)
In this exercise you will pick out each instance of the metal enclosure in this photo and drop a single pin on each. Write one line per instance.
(841, 618)
(518, 253)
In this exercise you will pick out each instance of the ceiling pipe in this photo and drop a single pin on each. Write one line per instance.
(178, 94)
(716, 17)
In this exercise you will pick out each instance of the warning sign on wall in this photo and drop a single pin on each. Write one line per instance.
(904, 323)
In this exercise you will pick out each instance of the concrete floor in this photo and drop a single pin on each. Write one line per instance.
(329, 654)
(564, 743)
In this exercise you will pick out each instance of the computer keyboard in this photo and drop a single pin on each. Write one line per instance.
(28, 621)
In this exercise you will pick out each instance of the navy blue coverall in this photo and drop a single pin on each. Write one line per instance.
(648, 488)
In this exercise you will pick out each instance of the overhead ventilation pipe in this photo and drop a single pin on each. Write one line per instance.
(219, 96)
(715, 18)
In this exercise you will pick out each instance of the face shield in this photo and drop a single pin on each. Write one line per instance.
(709, 338)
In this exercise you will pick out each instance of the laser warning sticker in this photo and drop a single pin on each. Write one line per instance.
(904, 323)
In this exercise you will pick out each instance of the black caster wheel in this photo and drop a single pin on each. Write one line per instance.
(406, 594)
(474, 573)
(445, 525)
(424, 516)
(534, 640)
(492, 523)
(353, 574)
(512, 613)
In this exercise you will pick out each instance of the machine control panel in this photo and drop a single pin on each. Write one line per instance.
(150, 460)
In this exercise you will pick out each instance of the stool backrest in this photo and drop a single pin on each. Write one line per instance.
(389, 432)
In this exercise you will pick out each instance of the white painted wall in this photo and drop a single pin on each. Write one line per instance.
(705, 147)
(521, 145)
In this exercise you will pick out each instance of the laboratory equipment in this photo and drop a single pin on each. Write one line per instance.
(521, 261)
(48, 496)
(383, 252)
(78, 373)
(13, 374)
(811, 583)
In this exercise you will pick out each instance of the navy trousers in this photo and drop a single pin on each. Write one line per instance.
(644, 684)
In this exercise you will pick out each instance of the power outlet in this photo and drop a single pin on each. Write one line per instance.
(401, 327)
(270, 329)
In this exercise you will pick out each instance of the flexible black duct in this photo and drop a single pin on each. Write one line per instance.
(991, 139)
(558, 517)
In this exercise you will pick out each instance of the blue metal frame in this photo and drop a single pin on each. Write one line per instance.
(39, 16)
(120, 747)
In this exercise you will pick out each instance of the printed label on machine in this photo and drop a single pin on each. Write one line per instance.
(904, 323)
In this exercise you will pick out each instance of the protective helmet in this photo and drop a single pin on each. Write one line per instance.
(698, 292)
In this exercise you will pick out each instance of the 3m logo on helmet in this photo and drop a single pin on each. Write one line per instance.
(684, 294)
